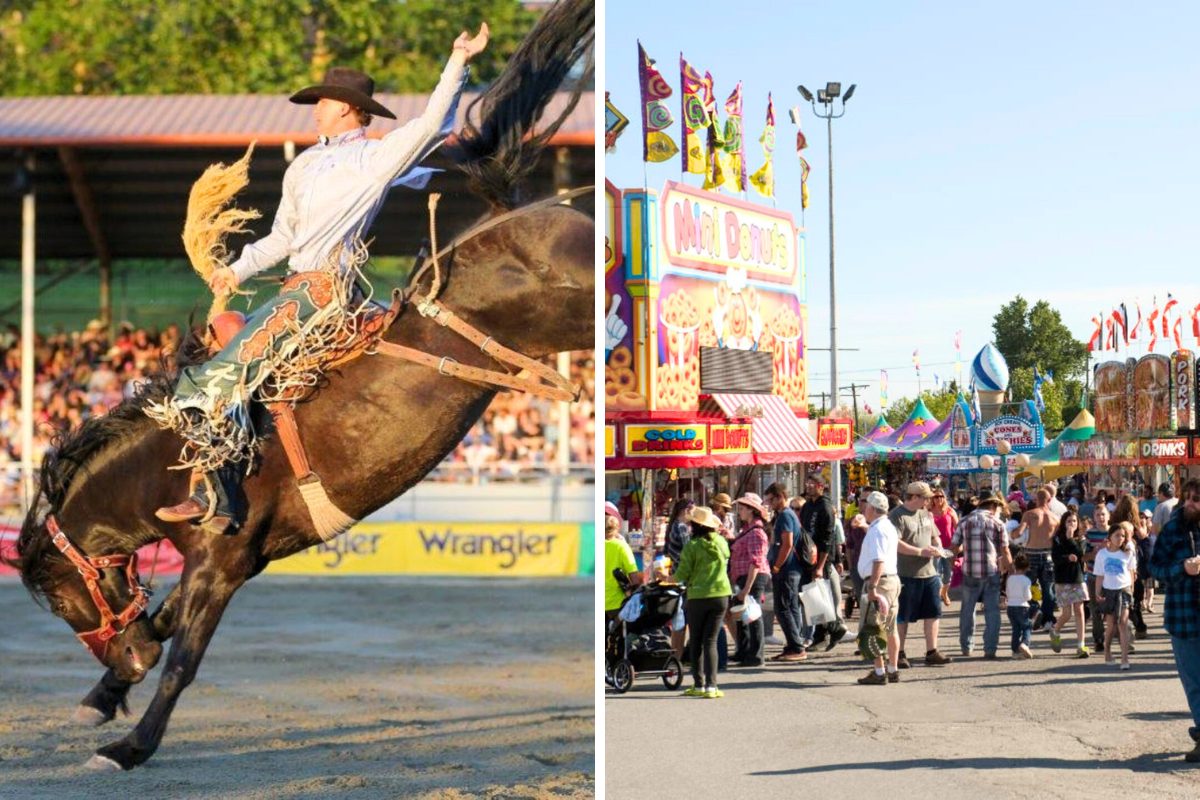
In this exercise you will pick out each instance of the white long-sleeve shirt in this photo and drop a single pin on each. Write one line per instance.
(333, 191)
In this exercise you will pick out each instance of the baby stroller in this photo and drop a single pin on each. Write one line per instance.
(643, 647)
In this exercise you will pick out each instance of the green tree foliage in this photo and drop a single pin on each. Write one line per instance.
(1029, 336)
(58, 47)
(1036, 336)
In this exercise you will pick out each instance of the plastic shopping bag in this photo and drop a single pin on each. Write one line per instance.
(817, 599)
(678, 623)
(752, 612)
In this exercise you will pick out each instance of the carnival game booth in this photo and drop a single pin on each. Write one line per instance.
(894, 457)
(1145, 424)
(705, 378)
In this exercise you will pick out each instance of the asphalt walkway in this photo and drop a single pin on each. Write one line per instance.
(1050, 727)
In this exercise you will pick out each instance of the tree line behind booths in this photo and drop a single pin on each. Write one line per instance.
(1027, 336)
(95, 47)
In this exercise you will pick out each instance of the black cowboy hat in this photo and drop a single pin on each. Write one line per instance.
(347, 85)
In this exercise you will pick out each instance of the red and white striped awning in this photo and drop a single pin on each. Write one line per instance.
(778, 435)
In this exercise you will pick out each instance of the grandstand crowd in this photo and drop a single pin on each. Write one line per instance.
(82, 374)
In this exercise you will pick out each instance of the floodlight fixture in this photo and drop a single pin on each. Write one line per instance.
(849, 92)
(833, 89)
(804, 92)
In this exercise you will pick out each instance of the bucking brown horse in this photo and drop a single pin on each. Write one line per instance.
(376, 429)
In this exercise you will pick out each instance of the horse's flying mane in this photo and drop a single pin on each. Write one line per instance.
(498, 145)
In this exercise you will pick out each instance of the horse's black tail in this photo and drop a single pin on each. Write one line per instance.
(497, 147)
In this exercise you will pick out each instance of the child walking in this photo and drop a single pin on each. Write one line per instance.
(1070, 587)
(1019, 590)
(1114, 568)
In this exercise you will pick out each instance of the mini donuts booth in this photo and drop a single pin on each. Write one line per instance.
(705, 375)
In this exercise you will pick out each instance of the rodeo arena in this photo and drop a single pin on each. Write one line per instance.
(774, 561)
(405, 454)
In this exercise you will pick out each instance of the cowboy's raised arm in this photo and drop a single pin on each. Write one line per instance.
(276, 245)
(406, 146)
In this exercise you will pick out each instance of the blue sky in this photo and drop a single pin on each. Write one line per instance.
(1046, 149)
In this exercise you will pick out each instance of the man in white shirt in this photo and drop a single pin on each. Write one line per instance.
(331, 195)
(877, 563)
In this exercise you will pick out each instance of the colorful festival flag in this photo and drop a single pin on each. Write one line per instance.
(718, 158)
(1096, 342)
(656, 117)
(1168, 307)
(958, 358)
(1196, 323)
(1134, 330)
(883, 389)
(614, 123)
(694, 92)
(917, 361)
(764, 177)
(735, 143)
(804, 170)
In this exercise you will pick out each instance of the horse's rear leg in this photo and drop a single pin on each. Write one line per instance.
(109, 695)
(206, 591)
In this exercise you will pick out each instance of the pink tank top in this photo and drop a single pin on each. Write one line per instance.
(945, 526)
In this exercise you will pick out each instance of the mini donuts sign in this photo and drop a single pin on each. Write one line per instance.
(711, 232)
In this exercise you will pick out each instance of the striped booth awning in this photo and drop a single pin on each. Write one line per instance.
(778, 437)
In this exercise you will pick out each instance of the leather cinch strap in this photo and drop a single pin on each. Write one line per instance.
(545, 382)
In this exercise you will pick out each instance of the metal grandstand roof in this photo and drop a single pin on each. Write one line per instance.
(215, 120)
(112, 173)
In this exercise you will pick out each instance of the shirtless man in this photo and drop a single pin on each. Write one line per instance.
(1040, 522)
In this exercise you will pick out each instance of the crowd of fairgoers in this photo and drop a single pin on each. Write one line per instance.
(84, 373)
(1048, 586)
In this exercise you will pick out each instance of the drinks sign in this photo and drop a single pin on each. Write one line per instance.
(1175, 449)
(655, 440)
(708, 231)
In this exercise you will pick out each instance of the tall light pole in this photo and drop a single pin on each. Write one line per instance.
(828, 112)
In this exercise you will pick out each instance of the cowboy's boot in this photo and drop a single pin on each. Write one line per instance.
(213, 502)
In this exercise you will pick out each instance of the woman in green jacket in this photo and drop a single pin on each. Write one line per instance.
(703, 569)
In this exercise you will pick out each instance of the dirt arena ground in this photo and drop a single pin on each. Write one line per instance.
(355, 687)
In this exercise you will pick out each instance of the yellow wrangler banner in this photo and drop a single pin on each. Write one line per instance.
(442, 548)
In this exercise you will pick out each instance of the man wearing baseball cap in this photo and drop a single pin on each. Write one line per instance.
(920, 582)
(878, 562)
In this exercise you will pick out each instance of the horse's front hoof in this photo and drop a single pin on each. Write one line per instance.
(99, 763)
(89, 717)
